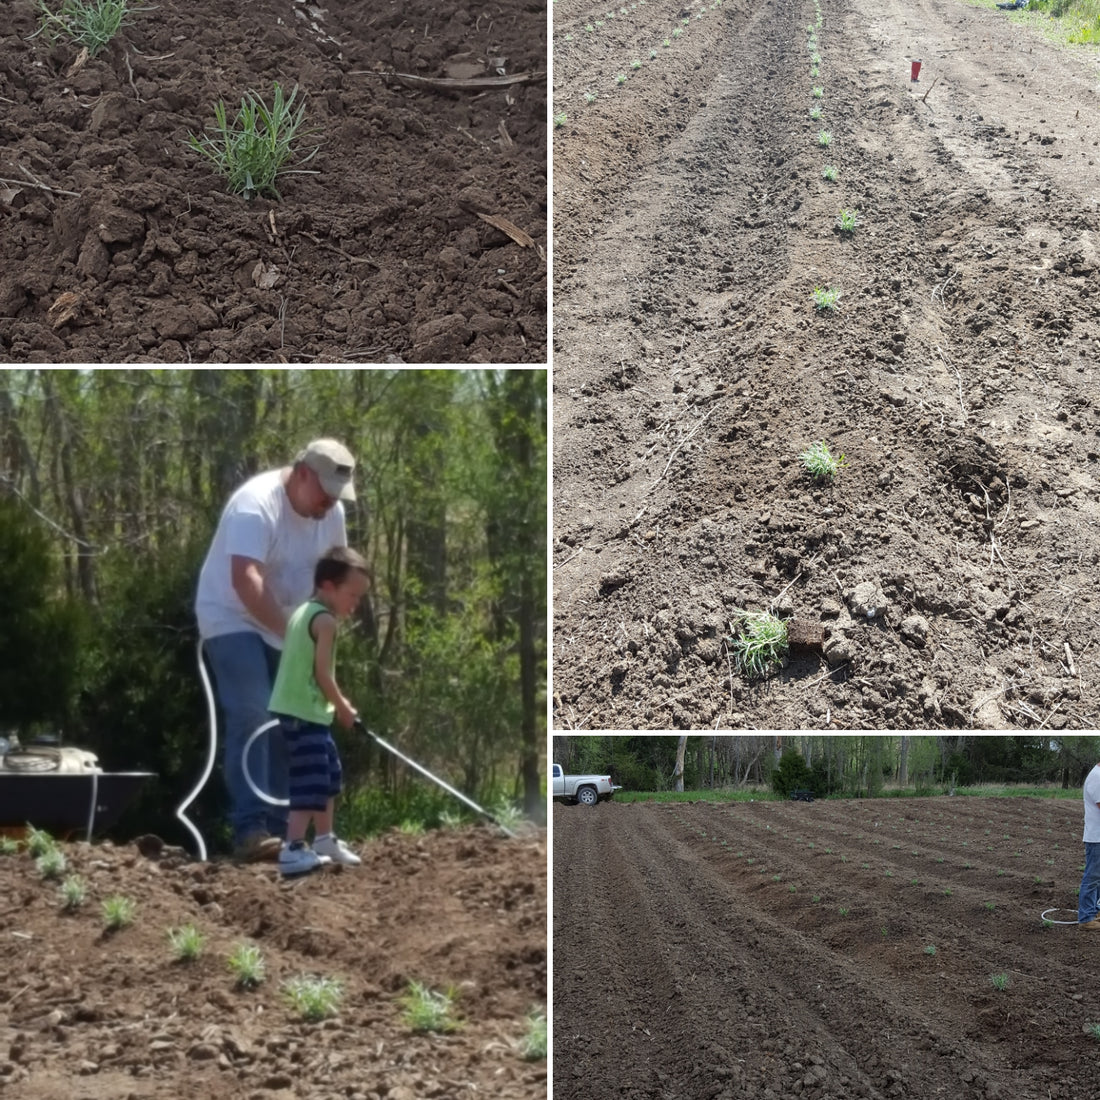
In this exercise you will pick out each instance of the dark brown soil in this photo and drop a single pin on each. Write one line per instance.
(958, 375)
(87, 1015)
(381, 256)
(753, 951)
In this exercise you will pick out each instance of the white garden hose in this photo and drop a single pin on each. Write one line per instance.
(1057, 909)
(211, 713)
(263, 795)
(92, 808)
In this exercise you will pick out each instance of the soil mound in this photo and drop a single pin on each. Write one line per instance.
(88, 1014)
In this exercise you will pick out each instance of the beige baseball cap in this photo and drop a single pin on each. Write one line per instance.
(333, 464)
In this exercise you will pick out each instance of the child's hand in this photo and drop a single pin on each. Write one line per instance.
(346, 714)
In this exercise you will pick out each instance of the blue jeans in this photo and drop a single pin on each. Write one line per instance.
(244, 668)
(1088, 901)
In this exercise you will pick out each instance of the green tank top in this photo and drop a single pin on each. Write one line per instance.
(296, 692)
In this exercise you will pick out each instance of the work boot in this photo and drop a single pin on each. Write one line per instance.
(1092, 925)
(258, 847)
(336, 850)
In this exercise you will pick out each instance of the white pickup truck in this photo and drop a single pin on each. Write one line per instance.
(585, 789)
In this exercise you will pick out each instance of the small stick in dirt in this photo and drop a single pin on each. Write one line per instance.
(925, 96)
(1069, 659)
(499, 221)
(455, 84)
(130, 76)
(41, 186)
(681, 443)
(346, 255)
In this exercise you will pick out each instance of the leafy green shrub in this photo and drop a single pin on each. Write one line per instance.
(792, 773)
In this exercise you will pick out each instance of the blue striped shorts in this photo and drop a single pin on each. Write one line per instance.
(315, 772)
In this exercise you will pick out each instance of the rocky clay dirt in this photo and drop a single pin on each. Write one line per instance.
(753, 951)
(91, 1015)
(949, 570)
(119, 244)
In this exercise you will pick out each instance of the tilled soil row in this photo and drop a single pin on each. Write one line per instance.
(100, 1014)
(758, 994)
(956, 377)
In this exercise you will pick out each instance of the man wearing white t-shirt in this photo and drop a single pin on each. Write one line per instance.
(258, 570)
(1088, 900)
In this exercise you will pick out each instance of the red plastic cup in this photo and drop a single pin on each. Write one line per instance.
(915, 74)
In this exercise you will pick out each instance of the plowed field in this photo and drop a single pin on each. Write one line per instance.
(118, 244)
(87, 1014)
(771, 950)
(957, 375)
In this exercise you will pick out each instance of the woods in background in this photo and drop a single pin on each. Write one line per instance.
(829, 763)
(111, 483)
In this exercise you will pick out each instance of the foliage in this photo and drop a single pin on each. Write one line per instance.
(820, 462)
(247, 965)
(118, 911)
(186, 942)
(74, 892)
(252, 152)
(759, 642)
(113, 485)
(43, 629)
(847, 220)
(560, 120)
(830, 173)
(533, 1044)
(313, 998)
(39, 842)
(731, 767)
(427, 1009)
(51, 864)
(825, 299)
(791, 773)
(89, 23)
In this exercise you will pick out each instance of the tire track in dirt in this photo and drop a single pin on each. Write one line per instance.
(774, 995)
(960, 371)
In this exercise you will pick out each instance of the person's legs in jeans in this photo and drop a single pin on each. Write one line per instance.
(244, 669)
(1088, 900)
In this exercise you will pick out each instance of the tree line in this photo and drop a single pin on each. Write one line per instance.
(838, 764)
(111, 484)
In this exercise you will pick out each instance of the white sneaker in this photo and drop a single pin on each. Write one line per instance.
(299, 859)
(335, 849)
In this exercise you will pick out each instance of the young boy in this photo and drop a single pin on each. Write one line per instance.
(305, 699)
